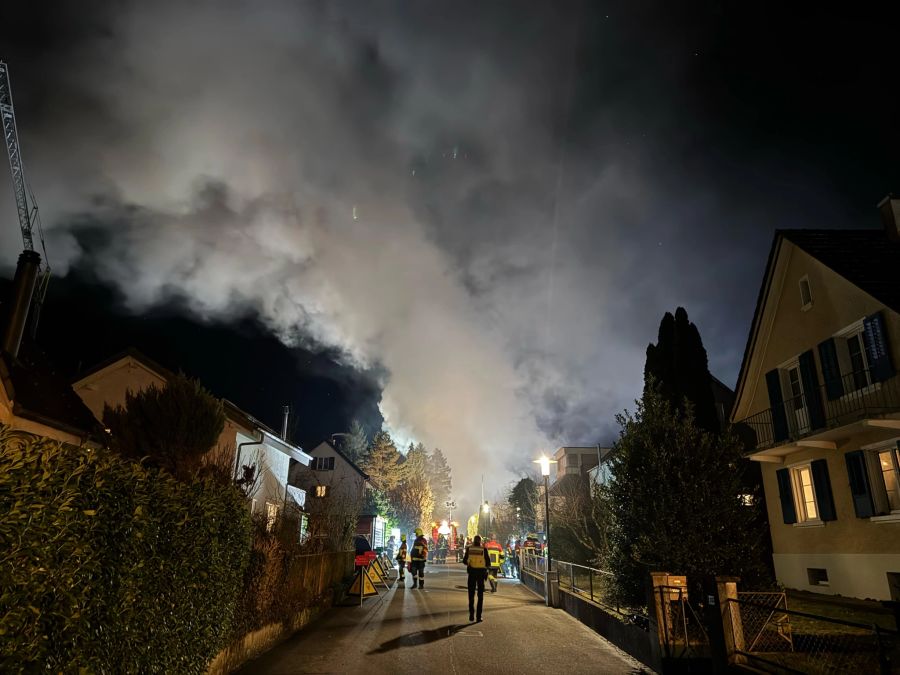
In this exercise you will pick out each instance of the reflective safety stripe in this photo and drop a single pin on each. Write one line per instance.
(476, 558)
(495, 557)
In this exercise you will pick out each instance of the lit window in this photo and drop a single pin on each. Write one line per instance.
(805, 294)
(321, 490)
(804, 493)
(889, 463)
(271, 515)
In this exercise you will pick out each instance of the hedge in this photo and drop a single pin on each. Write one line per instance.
(108, 566)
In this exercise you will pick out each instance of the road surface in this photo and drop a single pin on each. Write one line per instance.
(428, 631)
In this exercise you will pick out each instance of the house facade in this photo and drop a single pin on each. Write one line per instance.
(244, 440)
(819, 390)
(336, 485)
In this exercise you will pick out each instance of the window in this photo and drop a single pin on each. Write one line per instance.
(805, 294)
(889, 464)
(321, 490)
(323, 464)
(817, 576)
(271, 515)
(804, 493)
(859, 369)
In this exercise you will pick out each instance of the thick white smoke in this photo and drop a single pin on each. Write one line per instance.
(381, 179)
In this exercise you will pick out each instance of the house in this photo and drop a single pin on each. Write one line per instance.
(245, 441)
(34, 397)
(819, 390)
(336, 485)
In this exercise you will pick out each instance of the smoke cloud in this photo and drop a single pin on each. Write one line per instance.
(405, 182)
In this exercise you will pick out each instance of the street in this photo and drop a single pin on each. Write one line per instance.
(405, 629)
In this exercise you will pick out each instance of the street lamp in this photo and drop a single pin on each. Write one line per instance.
(545, 463)
(486, 508)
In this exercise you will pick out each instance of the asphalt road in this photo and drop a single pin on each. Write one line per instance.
(428, 631)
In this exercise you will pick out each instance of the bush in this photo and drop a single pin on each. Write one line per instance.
(108, 566)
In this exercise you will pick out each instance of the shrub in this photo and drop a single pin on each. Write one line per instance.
(108, 566)
(172, 427)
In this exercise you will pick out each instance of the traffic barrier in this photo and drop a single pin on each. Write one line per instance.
(362, 585)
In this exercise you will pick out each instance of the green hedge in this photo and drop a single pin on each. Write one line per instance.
(109, 567)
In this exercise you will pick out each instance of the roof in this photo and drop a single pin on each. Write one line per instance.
(866, 258)
(340, 454)
(138, 356)
(41, 394)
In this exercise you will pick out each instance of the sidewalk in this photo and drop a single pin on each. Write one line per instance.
(407, 630)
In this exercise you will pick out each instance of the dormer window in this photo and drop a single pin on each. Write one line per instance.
(805, 294)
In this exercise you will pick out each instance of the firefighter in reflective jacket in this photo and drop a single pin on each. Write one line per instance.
(401, 559)
(477, 562)
(496, 555)
(419, 556)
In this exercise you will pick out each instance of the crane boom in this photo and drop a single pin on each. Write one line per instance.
(11, 135)
(26, 205)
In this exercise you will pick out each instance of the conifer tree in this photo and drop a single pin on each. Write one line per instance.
(678, 364)
(440, 479)
(382, 462)
(357, 442)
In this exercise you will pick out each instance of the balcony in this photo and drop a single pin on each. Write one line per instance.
(812, 415)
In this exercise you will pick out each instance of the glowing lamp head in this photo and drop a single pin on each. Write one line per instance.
(545, 463)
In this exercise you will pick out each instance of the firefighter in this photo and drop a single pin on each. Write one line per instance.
(401, 560)
(496, 556)
(477, 561)
(419, 556)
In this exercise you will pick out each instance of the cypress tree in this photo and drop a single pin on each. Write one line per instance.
(678, 367)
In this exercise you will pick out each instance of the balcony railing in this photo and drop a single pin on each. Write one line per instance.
(813, 412)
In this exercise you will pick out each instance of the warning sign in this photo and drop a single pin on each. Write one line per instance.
(364, 582)
(361, 561)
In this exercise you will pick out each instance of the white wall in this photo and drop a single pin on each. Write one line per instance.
(855, 575)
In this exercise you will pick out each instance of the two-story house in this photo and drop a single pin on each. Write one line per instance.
(336, 485)
(244, 439)
(819, 389)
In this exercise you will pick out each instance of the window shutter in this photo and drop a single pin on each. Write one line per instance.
(779, 418)
(831, 370)
(786, 495)
(877, 349)
(859, 484)
(811, 392)
(822, 485)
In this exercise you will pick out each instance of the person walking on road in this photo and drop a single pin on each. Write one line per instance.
(401, 560)
(419, 556)
(477, 562)
(496, 556)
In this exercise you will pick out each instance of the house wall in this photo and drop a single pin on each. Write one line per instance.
(109, 385)
(271, 465)
(787, 331)
(856, 552)
(344, 483)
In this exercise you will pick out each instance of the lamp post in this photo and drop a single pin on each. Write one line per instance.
(486, 508)
(545, 463)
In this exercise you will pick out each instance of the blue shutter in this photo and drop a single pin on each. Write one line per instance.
(831, 371)
(786, 495)
(822, 485)
(811, 392)
(779, 418)
(859, 484)
(877, 348)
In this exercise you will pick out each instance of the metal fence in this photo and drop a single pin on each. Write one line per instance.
(682, 630)
(799, 416)
(536, 564)
(771, 637)
(588, 582)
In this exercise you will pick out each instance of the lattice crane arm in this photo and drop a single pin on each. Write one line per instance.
(11, 135)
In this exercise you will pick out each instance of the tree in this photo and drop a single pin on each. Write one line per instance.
(524, 496)
(382, 462)
(356, 443)
(173, 427)
(579, 517)
(439, 479)
(411, 499)
(675, 501)
(678, 364)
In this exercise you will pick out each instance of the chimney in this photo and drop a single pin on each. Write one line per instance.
(286, 410)
(22, 291)
(890, 217)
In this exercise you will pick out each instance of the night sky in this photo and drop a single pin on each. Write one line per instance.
(467, 218)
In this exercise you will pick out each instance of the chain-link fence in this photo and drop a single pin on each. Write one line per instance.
(772, 637)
